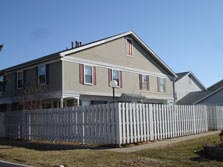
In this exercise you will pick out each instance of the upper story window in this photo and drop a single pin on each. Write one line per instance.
(144, 82)
(161, 84)
(42, 74)
(88, 74)
(19, 80)
(116, 76)
(129, 46)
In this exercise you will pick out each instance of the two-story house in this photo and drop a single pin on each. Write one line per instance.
(82, 75)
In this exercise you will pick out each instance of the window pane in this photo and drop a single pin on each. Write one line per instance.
(115, 76)
(19, 79)
(88, 70)
(88, 79)
(144, 82)
(88, 74)
(162, 85)
(42, 74)
(42, 70)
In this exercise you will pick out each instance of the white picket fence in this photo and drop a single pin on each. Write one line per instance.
(215, 117)
(118, 123)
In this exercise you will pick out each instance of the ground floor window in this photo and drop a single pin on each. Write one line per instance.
(86, 103)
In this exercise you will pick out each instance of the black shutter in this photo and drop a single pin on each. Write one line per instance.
(4, 83)
(24, 78)
(15, 80)
(47, 74)
(37, 79)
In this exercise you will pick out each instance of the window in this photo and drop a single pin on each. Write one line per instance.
(129, 46)
(1, 83)
(161, 84)
(144, 82)
(85, 103)
(88, 75)
(115, 76)
(19, 80)
(42, 74)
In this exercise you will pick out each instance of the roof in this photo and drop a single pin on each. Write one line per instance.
(181, 75)
(89, 45)
(193, 97)
(216, 85)
(189, 73)
(130, 97)
(197, 97)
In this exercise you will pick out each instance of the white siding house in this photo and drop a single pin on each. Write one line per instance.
(186, 83)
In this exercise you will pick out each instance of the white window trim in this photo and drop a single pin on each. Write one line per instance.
(85, 83)
(42, 65)
(127, 38)
(17, 79)
(118, 86)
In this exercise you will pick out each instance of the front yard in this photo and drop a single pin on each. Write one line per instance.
(52, 155)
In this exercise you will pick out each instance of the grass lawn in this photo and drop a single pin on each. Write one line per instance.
(52, 155)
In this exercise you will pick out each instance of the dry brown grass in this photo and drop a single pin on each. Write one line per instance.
(52, 155)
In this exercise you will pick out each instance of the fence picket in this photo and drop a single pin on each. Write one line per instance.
(117, 123)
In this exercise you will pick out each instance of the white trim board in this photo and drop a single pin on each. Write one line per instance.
(77, 94)
(112, 66)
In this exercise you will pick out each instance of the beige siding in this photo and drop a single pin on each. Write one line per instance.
(130, 83)
(114, 52)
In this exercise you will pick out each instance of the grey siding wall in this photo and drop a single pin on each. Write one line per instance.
(186, 85)
(55, 79)
(215, 100)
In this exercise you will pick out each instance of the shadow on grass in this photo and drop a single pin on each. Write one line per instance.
(49, 146)
(203, 156)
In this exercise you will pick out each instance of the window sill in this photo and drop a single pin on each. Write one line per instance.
(88, 84)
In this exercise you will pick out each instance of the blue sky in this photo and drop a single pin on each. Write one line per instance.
(186, 34)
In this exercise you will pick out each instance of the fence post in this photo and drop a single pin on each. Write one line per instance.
(83, 125)
(151, 122)
(194, 119)
(118, 124)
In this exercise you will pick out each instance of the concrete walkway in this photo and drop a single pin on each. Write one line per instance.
(161, 143)
(10, 164)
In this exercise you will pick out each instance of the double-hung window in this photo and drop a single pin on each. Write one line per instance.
(42, 75)
(161, 84)
(116, 76)
(19, 80)
(145, 82)
(88, 74)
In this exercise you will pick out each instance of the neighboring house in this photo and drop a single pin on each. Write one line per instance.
(212, 96)
(81, 75)
(186, 83)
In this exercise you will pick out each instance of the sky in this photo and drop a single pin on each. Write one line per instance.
(186, 34)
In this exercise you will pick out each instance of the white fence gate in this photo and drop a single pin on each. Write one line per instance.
(118, 123)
